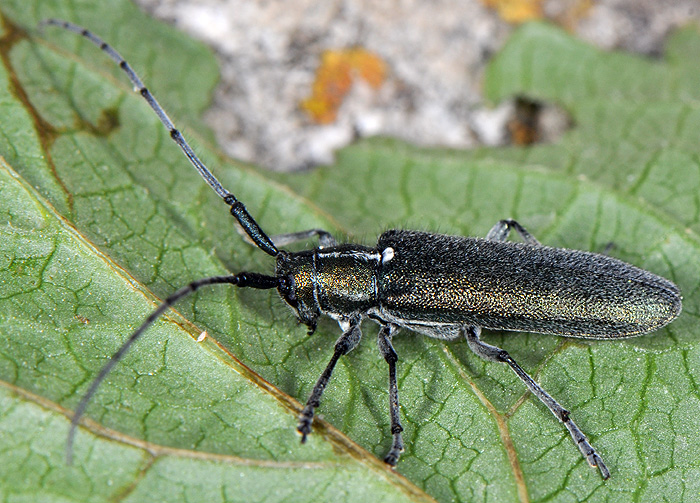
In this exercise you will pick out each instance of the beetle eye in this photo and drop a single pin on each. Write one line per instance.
(286, 289)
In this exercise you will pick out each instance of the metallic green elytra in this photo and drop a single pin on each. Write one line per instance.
(442, 286)
(519, 286)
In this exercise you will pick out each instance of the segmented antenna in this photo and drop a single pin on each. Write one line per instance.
(183, 292)
(238, 210)
(242, 279)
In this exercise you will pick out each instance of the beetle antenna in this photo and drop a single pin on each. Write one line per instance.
(243, 279)
(238, 210)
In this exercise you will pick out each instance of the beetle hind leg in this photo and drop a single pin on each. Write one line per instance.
(496, 354)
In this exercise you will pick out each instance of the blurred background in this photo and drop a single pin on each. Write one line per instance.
(303, 78)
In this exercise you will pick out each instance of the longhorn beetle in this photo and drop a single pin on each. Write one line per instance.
(445, 287)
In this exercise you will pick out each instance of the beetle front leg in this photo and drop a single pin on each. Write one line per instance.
(500, 231)
(325, 238)
(346, 343)
(496, 354)
(387, 351)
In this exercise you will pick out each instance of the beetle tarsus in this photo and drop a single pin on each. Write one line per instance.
(597, 461)
(586, 448)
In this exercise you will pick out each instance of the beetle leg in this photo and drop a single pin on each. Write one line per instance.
(325, 239)
(496, 354)
(346, 343)
(500, 231)
(387, 351)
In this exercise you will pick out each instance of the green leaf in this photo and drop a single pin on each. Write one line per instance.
(102, 216)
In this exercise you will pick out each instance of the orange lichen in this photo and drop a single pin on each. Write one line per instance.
(334, 79)
(568, 14)
(516, 11)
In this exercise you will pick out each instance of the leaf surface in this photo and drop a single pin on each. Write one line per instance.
(102, 216)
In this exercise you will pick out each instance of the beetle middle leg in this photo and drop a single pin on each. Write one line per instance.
(496, 354)
(346, 343)
(500, 231)
(387, 350)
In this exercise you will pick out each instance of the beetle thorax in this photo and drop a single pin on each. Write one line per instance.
(336, 281)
